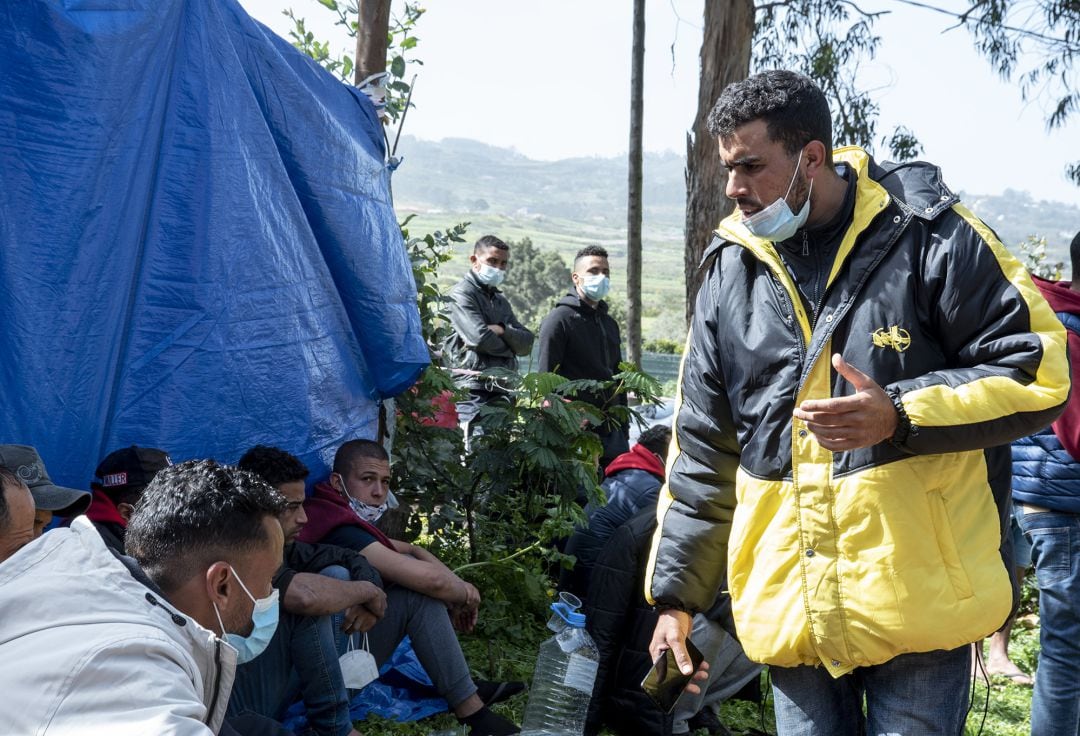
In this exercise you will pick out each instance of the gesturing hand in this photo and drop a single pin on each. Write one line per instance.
(863, 419)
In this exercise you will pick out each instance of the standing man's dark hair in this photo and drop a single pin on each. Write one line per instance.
(590, 250)
(196, 513)
(489, 241)
(794, 110)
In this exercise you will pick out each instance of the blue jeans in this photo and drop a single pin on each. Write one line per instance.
(924, 694)
(1055, 552)
(301, 660)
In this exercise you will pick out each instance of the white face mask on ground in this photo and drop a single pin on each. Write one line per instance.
(777, 222)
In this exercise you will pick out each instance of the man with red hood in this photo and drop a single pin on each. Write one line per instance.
(631, 483)
(122, 477)
(1046, 487)
(425, 599)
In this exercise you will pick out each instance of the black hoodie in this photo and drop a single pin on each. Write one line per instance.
(582, 342)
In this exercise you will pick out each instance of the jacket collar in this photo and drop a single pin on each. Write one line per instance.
(871, 198)
(573, 299)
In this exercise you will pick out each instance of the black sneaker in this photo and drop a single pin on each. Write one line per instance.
(486, 722)
(497, 692)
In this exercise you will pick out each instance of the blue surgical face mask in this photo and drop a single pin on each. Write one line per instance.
(595, 286)
(265, 619)
(777, 222)
(489, 275)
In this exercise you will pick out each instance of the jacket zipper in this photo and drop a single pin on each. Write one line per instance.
(841, 310)
(792, 323)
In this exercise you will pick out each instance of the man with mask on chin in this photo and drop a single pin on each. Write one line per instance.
(580, 340)
(862, 351)
(424, 598)
(486, 334)
(148, 643)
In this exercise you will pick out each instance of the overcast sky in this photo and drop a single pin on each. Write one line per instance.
(551, 79)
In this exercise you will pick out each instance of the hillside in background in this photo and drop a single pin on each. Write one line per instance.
(565, 204)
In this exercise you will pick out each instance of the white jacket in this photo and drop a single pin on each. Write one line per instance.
(86, 648)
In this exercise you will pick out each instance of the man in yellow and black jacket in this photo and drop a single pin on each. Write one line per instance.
(863, 349)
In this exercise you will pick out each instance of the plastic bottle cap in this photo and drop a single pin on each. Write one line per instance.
(567, 614)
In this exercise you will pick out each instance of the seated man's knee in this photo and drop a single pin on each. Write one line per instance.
(335, 571)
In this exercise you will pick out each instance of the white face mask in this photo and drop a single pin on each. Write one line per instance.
(777, 222)
(358, 668)
(489, 275)
(365, 511)
(596, 286)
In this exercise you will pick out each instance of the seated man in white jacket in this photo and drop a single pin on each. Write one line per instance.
(97, 643)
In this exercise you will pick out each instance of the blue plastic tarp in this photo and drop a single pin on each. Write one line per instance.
(198, 250)
(404, 692)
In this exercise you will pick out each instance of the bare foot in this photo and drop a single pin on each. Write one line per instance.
(1009, 671)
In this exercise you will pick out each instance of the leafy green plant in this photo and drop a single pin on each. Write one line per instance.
(665, 346)
(1032, 253)
(534, 280)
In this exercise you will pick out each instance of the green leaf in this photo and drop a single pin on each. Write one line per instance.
(332, 4)
(397, 66)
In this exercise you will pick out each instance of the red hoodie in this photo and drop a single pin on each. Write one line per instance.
(1064, 299)
(103, 510)
(326, 510)
(639, 458)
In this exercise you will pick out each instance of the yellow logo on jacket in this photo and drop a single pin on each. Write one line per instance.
(894, 337)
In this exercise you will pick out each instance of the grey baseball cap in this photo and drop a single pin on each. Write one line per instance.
(25, 462)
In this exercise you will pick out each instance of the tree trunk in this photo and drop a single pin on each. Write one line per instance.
(373, 25)
(633, 189)
(725, 58)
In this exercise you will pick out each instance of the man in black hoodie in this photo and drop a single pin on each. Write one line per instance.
(580, 340)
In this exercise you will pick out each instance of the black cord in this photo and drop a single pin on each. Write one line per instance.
(979, 667)
(765, 699)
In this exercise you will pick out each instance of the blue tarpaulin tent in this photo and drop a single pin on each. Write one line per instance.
(197, 246)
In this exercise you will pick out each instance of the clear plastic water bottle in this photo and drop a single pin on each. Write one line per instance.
(565, 672)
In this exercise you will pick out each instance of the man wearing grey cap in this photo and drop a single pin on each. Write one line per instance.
(49, 498)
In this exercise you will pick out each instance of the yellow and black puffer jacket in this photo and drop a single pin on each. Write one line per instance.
(848, 559)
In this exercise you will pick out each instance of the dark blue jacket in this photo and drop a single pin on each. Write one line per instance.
(1044, 473)
(628, 492)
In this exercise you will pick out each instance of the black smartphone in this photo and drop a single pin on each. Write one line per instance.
(664, 683)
